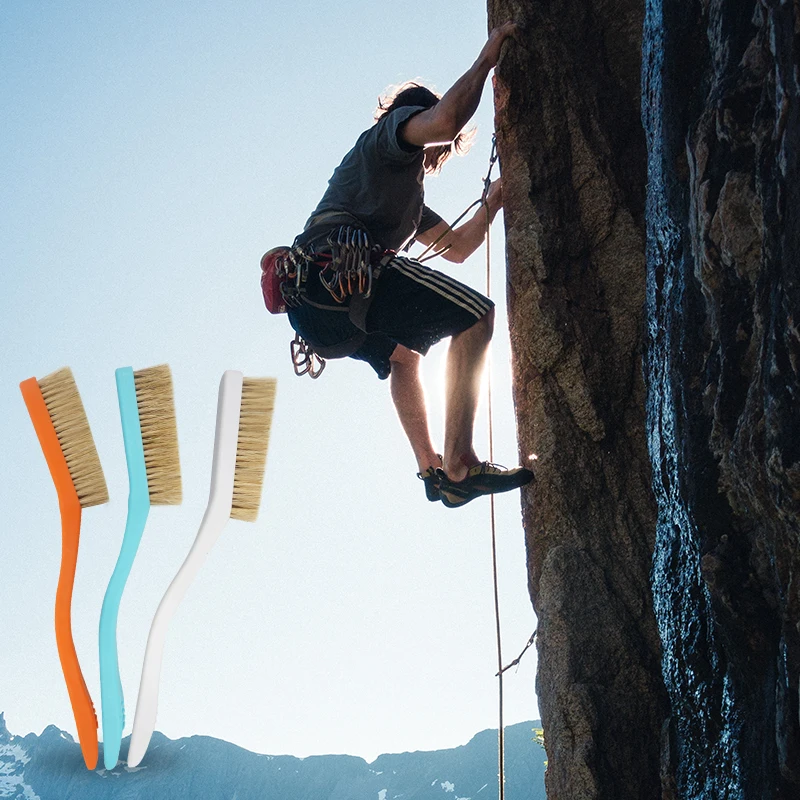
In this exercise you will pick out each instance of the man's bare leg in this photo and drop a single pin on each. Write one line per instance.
(409, 400)
(465, 360)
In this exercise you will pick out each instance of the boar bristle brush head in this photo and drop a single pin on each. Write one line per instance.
(255, 420)
(156, 404)
(64, 405)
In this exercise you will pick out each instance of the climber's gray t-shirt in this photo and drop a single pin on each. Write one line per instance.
(379, 182)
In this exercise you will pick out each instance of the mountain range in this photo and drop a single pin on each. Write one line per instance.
(50, 767)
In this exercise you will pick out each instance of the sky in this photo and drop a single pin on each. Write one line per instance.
(151, 153)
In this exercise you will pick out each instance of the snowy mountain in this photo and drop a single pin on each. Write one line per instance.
(50, 767)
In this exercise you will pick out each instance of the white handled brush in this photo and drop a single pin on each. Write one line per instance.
(244, 416)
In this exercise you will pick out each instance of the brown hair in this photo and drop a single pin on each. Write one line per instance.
(412, 93)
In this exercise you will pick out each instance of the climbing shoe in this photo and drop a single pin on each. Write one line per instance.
(484, 478)
(431, 480)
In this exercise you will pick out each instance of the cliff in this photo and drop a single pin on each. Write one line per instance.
(573, 159)
(652, 210)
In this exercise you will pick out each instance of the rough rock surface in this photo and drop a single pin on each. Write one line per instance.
(573, 158)
(722, 111)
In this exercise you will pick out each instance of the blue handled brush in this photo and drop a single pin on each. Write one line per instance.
(149, 431)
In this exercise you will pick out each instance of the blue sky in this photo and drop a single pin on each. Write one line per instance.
(152, 153)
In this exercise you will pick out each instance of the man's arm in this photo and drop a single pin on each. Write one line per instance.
(464, 240)
(443, 122)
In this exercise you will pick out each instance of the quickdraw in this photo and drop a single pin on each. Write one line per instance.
(481, 201)
(292, 270)
(348, 264)
(304, 359)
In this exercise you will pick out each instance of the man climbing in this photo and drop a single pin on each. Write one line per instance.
(349, 293)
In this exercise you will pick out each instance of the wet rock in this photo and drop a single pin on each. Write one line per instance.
(721, 95)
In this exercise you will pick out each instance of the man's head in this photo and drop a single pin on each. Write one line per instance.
(412, 93)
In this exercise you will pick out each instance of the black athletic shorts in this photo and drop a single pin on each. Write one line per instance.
(413, 305)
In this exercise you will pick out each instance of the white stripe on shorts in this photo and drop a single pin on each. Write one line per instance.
(442, 284)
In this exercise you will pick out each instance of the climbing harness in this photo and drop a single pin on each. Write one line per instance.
(347, 265)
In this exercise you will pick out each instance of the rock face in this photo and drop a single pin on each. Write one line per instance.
(573, 158)
(721, 337)
(722, 112)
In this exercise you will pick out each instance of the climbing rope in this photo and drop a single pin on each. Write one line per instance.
(501, 777)
(481, 201)
(501, 770)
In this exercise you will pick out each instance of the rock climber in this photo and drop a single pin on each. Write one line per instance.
(349, 292)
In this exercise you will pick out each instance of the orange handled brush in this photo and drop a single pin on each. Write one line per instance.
(60, 421)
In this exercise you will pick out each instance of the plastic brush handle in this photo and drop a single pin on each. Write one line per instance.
(217, 514)
(111, 695)
(70, 507)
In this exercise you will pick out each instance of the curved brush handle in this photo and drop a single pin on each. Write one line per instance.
(82, 707)
(70, 508)
(217, 514)
(138, 508)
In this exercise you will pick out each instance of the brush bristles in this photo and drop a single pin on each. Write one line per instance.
(255, 419)
(156, 404)
(69, 419)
